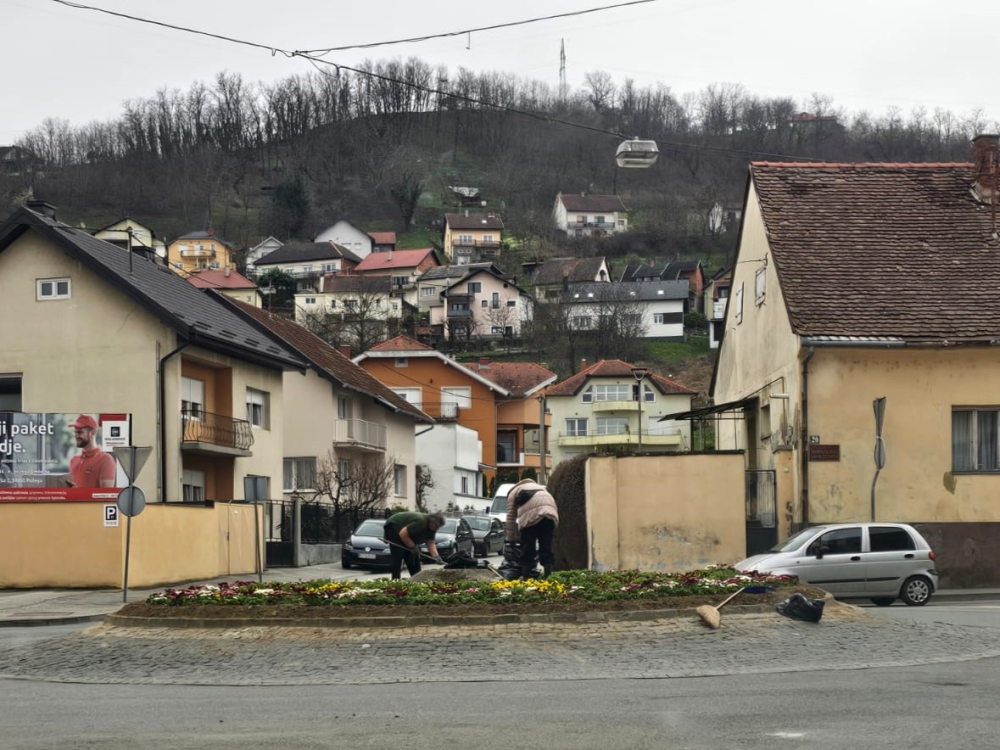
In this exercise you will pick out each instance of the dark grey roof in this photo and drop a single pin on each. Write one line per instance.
(306, 251)
(573, 270)
(197, 317)
(629, 291)
(674, 270)
(456, 272)
(202, 234)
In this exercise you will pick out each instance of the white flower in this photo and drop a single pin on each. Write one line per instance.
(264, 592)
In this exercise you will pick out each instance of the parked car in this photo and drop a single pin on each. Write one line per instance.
(499, 507)
(366, 548)
(877, 561)
(488, 533)
(454, 536)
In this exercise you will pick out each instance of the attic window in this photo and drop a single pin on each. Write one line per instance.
(402, 362)
(659, 291)
(49, 289)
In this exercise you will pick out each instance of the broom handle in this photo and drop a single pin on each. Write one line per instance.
(729, 598)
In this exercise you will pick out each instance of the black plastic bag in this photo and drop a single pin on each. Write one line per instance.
(510, 568)
(460, 559)
(798, 607)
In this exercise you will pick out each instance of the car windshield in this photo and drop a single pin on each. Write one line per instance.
(794, 541)
(371, 528)
(479, 523)
(449, 526)
(499, 505)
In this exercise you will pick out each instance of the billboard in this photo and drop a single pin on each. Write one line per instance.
(61, 457)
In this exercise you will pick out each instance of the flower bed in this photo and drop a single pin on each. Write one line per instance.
(563, 587)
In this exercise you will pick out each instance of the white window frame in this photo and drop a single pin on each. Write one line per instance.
(577, 426)
(461, 396)
(193, 486)
(974, 439)
(413, 396)
(427, 291)
(343, 407)
(612, 426)
(292, 469)
(402, 362)
(192, 397)
(53, 285)
(258, 411)
(399, 480)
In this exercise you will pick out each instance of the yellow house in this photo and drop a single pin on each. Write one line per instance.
(855, 283)
(230, 283)
(91, 329)
(198, 251)
(129, 233)
(472, 238)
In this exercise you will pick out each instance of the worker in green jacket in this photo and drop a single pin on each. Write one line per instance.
(405, 532)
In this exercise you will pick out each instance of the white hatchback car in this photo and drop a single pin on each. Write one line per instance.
(877, 561)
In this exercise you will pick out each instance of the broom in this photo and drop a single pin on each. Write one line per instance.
(710, 615)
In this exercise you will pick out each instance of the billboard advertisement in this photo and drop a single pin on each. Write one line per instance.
(48, 457)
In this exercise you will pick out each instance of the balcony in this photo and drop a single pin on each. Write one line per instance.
(197, 253)
(449, 412)
(215, 434)
(507, 458)
(464, 242)
(615, 406)
(667, 437)
(359, 434)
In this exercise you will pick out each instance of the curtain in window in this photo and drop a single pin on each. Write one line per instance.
(961, 441)
(986, 445)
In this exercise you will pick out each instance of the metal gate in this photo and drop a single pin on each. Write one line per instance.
(761, 511)
(279, 533)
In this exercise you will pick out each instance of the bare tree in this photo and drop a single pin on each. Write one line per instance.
(425, 482)
(357, 485)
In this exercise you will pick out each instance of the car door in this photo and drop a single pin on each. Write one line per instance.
(891, 558)
(496, 535)
(464, 539)
(834, 562)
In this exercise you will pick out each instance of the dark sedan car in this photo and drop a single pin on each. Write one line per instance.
(454, 536)
(366, 549)
(488, 534)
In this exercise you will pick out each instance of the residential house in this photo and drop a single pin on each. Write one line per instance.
(583, 215)
(340, 421)
(347, 235)
(521, 418)
(131, 234)
(598, 410)
(482, 304)
(442, 388)
(199, 250)
(308, 262)
(434, 281)
(261, 249)
(716, 296)
(95, 330)
(383, 242)
(859, 282)
(403, 267)
(722, 219)
(550, 279)
(229, 283)
(681, 270)
(467, 196)
(452, 453)
(470, 237)
(361, 310)
(14, 160)
(651, 309)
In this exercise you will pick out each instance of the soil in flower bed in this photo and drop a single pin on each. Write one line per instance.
(306, 612)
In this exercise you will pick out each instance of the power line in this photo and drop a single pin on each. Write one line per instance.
(428, 37)
(315, 61)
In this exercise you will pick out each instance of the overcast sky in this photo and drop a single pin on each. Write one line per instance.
(79, 65)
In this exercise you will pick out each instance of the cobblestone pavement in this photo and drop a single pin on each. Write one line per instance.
(678, 647)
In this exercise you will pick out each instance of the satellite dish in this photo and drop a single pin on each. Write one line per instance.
(637, 154)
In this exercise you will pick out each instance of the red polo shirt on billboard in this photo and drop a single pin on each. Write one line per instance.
(91, 468)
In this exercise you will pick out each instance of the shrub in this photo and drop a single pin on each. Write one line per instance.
(567, 485)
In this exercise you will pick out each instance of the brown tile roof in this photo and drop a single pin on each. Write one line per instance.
(616, 368)
(327, 359)
(383, 238)
(395, 259)
(401, 343)
(517, 377)
(218, 279)
(574, 270)
(891, 250)
(578, 202)
(474, 221)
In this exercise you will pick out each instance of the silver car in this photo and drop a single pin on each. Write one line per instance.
(877, 561)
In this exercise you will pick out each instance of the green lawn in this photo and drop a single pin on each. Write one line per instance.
(670, 351)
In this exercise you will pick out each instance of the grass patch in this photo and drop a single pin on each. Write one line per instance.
(671, 351)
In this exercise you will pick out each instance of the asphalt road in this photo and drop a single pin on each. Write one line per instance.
(979, 613)
(930, 707)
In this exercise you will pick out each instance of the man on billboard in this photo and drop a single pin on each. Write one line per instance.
(92, 467)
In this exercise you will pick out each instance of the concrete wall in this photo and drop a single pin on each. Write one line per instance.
(72, 548)
(652, 512)
(451, 451)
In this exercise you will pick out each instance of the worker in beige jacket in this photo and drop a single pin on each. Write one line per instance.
(532, 514)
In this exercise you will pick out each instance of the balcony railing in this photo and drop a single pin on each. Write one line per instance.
(359, 433)
(661, 436)
(459, 242)
(449, 411)
(215, 433)
(196, 253)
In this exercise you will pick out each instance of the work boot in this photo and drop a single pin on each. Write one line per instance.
(546, 571)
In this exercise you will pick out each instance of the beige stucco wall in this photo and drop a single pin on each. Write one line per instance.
(71, 547)
(652, 512)
(921, 387)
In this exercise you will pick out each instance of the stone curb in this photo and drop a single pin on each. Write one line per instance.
(409, 621)
(38, 622)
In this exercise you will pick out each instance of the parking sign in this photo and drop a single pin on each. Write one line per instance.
(110, 515)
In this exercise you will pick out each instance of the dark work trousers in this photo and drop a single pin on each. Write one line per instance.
(539, 535)
(398, 553)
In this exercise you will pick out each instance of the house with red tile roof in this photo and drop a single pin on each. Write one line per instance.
(599, 409)
(859, 282)
(403, 267)
(587, 215)
(229, 282)
(383, 242)
(340, 423)
(471, 237)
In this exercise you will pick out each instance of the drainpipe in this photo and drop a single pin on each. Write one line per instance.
(163, 414)
(805, 437)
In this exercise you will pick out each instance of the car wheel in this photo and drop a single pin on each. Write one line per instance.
(916, 591)
(345, 565)
(883, 601)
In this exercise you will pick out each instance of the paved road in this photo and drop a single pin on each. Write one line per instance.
(978, 614)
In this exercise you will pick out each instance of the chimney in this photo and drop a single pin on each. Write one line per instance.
(42, 207)
(484, 363)
(345, 349)
(228, 271)
(583, 365)
(984, 156)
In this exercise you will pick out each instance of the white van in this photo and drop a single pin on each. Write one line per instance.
(499, 507)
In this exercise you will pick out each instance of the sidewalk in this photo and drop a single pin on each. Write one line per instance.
(22, 608)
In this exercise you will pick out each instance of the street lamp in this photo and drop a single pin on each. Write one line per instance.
(639, 373)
